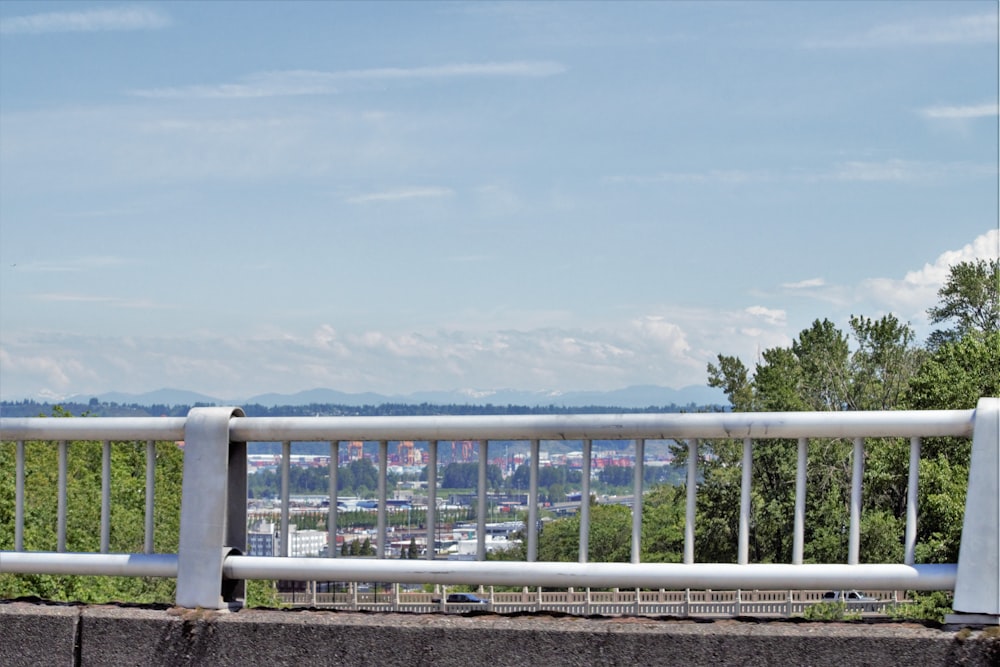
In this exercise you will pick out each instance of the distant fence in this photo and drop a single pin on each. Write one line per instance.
(211, 570)
(683, 604)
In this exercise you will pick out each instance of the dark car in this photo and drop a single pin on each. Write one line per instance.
(465, 598)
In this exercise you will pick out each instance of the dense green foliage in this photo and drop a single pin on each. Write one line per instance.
(830, 611)
(128, 484)
(357, 478)
(611, 533)
(968, 301)
(466, 476)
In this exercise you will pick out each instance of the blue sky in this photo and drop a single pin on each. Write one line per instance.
(238, 198)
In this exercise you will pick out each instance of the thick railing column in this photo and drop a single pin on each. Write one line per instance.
(584, 552)
(213, 510)
(977, 587)
(481, 500)
(331, 517)
(432, 457)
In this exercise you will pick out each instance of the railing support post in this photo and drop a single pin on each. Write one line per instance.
(977, 587)
(213, 510)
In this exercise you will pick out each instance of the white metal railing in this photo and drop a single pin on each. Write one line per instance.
(210, 568)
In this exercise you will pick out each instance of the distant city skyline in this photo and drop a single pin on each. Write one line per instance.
(242, 198)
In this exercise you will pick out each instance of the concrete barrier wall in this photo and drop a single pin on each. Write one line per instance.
(37, 634)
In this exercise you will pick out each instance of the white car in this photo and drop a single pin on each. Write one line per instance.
(856, 600)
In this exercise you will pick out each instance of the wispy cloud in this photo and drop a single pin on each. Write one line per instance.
(316, 82)
(75, 264)
(773, 316)
(891, 170)
(517, 68)
(900, 171)
(962, 112)
(968, 29)
(114, 301)
(90, 20)
(400, 194)
(809, 283)
(726, 176)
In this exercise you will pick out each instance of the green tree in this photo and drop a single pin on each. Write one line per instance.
(968, 300)
(733, 378)
(466, 476)
(819, 371)
(83, 492)
(616, 475)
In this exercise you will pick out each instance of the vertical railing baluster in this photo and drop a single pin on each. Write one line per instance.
(432, 457)
(483, 446)
(585, 504)
(637, 474)
(61, 501)
(105, 496)
(746, 479)
(911, 502)
(383, 472)
(798, 536)
(692, 490)
(331, 517)
(19, 497)
(857, 477)
(533, 503)
(286, 462)
(148, 546)
(213, 510)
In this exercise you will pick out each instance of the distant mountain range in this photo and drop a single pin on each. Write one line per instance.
(639, 396)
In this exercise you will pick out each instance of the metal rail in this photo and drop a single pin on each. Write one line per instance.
(213, 515)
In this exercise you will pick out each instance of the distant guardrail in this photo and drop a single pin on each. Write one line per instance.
(211, 569)
(683, 604)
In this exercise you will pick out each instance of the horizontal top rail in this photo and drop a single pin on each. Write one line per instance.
(897, 423)
(659, 426)
(93, 428)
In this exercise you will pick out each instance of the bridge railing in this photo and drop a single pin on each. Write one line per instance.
(211, 569)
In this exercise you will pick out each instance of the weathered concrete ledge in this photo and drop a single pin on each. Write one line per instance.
(41, 634)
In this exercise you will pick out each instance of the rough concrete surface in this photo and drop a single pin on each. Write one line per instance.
(39, 634)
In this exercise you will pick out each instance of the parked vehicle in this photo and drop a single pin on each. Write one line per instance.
(847, 596)
(465, 598)
(855, 600)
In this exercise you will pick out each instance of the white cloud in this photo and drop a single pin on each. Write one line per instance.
(650, 350)
(772, 316)
(890, 170)
(917, 290)
(901, 171)
(808, 283)
(315, 82)
(91, 20)
(94, 299)
(75, 264)
(520, 68)
(401, 194)
(987, 110)
(725, 176)
(265, 84)
(968, 29)
(81, 147)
